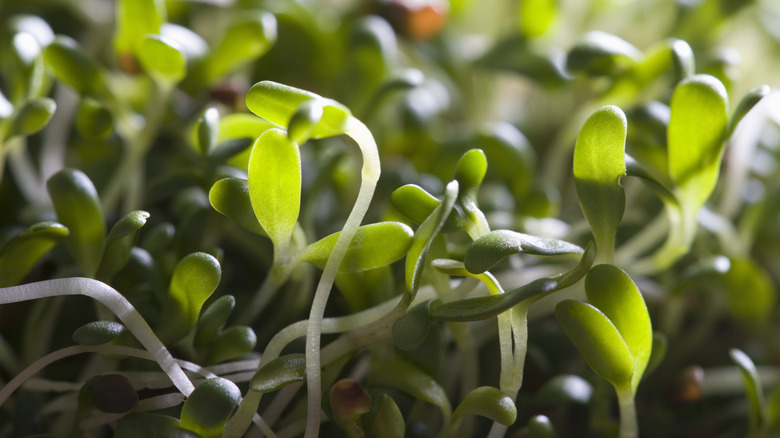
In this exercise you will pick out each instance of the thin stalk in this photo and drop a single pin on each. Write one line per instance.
(629, 427)
(118, 305)
(369, 178)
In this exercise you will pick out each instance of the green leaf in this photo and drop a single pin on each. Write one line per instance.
(537, 16)
(162, 58)
(249, 38)
(194, 279)
(416, 204)
(753, 388)
(491, 248)
(565, 388)
(70, 63)
(232, 343)
(634, 169)
(212, 319)
(386, 420)
(747, 103)
(598, 341)
(34, 116)
(470, 171)
(423, 237)
(750, 290)
(658, 352)
(230, 197)
(481, 308)
(682, 59)
(279, 372)
(411, 328)
(209, 407)
(6, 108)
(119, 243)
(539, 426)
(402, 375)
(134, 20)
(147, 424)
(98, 332)
(110, 393)
(599, 164)
(275, 186)
(695, 138)
(613, 292)
(93, 120)
(599, 53)
(278, 103)
(78, 208)
(373, 245)
(489, 402)
(207, 127)
(19, 254)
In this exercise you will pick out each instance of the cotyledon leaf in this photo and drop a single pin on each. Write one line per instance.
(489, 402)
(373, 246)
(209, 407)
(417, 204)
(119, 243)
(230, 197)
(23, 250)
(613, 292)
(497, 245)
(279, 372)
(598, 341)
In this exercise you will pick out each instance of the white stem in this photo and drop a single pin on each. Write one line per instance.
(369, 178)
(117, 304)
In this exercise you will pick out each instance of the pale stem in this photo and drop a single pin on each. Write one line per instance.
(628, 424)
(117, 304)
(369, 178)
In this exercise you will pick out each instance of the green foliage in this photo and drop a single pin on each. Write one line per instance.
(279, 372)
(19, 254)
(208, 408)
(489, 402)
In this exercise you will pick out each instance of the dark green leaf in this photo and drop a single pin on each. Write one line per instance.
(93, 120)
(279, 372)
(682, 59)
(194, 280)
(539, 426)
(480, 308)
(208, 130)
(78, 208)
(599, 53)
(565, 388)
(402, 375)
(658, 352)
(275, 186)
(372, 246)
(110, 393)
(135, 20)
(489, 402)
(411, 328)
(750, 290)
(33, 116)
(70, 63)
(387, 420)
(23, 250)
(212, 319)
(598, 341)
(147, 424)
(747, 103)
(209, 407)
(232, 343)
(119, 243)
(305, 120)
(98, 332)
(497, 245)
(753, 388)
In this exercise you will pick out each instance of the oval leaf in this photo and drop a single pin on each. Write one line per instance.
(33, 116)
(24, 249)
(70, 63)
(78, 208)
(232, 343)
(489, 402)
(416, 204)
(600, 53)
(565, 388)
(598, 341)
(162, 58)
(599, 164)
(93, 120)
(275, 186)
(213, 319)
(230, 197)
(402, 375)
(209, 407)
(98, 332)
(387, 420)
(373, 246)
(207, 127)
(278, 104)
(613, 292)
(470, 171)
(245, 41)
(480, 308)
(119, 243)
(134, 20)
(411, 328)
(491, 248)
(279, 372)
(194, 280)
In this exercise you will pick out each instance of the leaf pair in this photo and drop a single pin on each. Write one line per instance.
(613, 333)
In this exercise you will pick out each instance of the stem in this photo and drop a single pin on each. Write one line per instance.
(117, 304)
(370, 176)
(628, 424)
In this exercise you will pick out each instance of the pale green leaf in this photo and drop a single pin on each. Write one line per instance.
(416, 204)
(613, 292)
(275, 186)
(246, 40)
(537, 16)
(489, 402)
(230, 197)
(162, 58)
(134, 20)
(386, 420)
(598, 341)
(69, 62)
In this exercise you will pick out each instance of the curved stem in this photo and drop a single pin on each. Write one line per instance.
(117, 304)
(370, 176)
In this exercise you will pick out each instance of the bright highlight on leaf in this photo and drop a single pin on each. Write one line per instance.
(275, 187)
(488, 250)
(489, 402)
(599, 164)
(209, 407)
